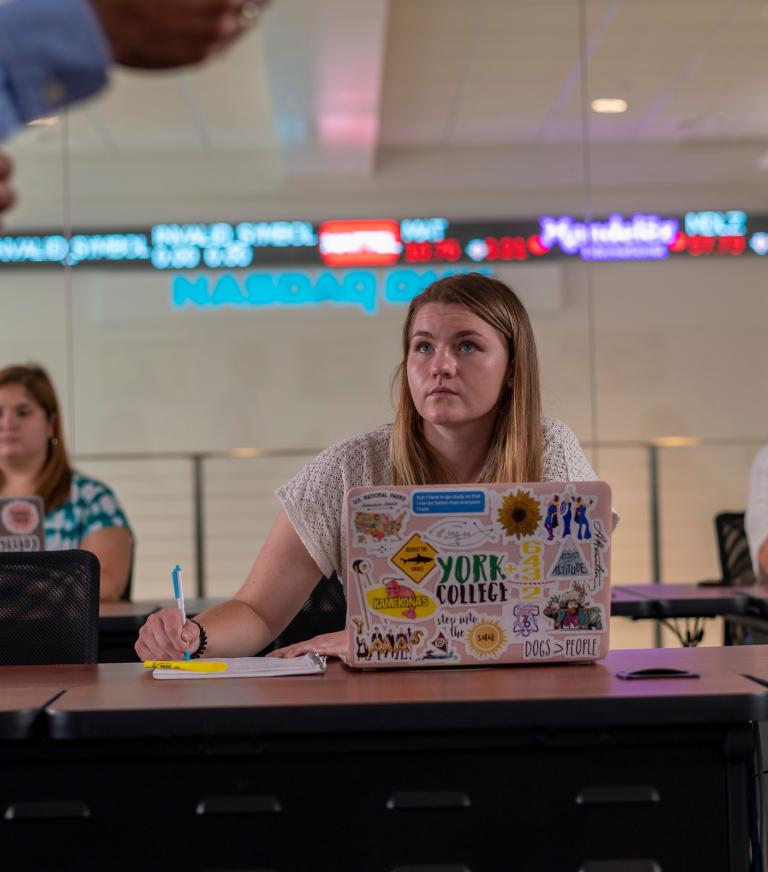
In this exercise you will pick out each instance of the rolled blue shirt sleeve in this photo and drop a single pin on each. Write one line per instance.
(52, 53)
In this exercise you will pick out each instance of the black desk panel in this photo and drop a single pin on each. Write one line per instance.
(546, 768)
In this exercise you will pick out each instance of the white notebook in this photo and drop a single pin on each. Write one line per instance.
(252, 667)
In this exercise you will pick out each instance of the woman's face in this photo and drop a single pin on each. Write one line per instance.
(24, 427)
(456, 366)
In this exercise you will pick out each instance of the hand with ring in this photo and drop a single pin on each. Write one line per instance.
(7, 194)
(154, 34)
(250, 11)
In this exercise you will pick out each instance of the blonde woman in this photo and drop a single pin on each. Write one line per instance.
(468, 410)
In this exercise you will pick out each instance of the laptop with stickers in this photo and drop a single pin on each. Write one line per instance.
(478, 574)
(21, 524)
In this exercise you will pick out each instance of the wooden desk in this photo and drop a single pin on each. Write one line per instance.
(689, 600)
(546, 767)
(127, 702)
(758, 600)
(24, 693)
(123, 615)
(745, 606)
(20, 707)
(626, 604)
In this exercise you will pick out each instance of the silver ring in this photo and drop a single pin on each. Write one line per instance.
(249, 13)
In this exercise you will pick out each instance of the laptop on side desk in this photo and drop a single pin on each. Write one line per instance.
(21, 524)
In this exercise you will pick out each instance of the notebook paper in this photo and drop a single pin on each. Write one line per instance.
(250, 667)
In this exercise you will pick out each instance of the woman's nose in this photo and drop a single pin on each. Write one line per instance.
(443, 363)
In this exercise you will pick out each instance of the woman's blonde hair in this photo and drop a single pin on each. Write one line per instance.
(515, 451)
(55, 477)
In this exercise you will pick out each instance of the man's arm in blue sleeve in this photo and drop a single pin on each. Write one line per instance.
(52, 53)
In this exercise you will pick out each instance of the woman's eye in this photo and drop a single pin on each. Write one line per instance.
(467, 346)
(422, 347)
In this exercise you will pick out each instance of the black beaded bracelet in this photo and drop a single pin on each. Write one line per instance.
(203, 640)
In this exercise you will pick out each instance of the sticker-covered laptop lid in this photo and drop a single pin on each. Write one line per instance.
(21, 524)
(478, 574)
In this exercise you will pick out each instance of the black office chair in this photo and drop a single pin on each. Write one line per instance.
(733, 550)
(736, 570)
(126, 594)
(324, 612)
(49, 607)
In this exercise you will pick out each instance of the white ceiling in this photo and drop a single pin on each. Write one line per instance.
(366, 98)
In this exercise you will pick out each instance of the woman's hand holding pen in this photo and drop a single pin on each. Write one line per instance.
(165, 637)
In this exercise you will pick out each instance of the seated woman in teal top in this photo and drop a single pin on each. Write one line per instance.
(81, 512)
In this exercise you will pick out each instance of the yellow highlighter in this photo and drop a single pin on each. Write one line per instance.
(187, 665)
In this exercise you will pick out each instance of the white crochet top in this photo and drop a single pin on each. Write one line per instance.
(314, 498)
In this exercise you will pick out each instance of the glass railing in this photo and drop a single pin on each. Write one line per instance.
(211, 511)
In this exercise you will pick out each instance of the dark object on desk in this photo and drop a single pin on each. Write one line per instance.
(49, 607)
(733, 550)
(324, 612)
(656, 672)
(757, 679)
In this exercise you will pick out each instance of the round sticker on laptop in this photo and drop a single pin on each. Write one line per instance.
(486, 639)
(20, 517)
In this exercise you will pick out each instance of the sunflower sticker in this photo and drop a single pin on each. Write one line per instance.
(519, 514)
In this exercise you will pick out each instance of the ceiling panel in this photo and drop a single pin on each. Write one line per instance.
(373, 96)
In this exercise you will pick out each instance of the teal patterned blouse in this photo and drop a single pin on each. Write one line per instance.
(91, 506)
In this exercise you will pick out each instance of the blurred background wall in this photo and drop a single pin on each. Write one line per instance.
(393, 109)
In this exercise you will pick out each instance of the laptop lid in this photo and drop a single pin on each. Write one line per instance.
(21, 524)
(478, 574)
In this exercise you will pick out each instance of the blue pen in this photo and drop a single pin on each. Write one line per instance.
(178, 592)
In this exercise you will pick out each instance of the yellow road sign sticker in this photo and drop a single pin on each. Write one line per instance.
(416, 558)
